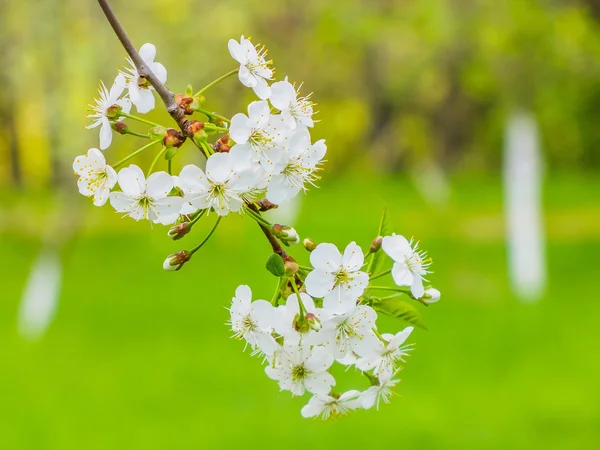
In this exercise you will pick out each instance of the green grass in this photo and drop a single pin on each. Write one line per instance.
(138, 358)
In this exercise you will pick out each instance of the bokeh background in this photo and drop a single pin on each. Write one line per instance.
(416, 101)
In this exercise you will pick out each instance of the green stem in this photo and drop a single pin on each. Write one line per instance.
(381, 274)
(207, 150)
(387, 288)
(258, 218)
(197, 218)
(380, 336)
(199, 246)
(217, 81)
(277, 293)
(162, 152)
(133, 133)
(137, 152)
(139, 119)
(169, 167)
(212, 115)
(300, 304)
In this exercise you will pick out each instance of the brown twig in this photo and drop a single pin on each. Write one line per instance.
(168, 98)
(176, 112)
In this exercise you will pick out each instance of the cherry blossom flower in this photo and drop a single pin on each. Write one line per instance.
(257, 137)
(343, 333)
(102, 111)
(254, 69)
(143, 198)
(221, 188)
(336, 277)
(140, 90)
(286, 319)
(382, 357)
(295, 109)
(410, 265)
(431, 296)
(328, 406)
(96, 178)
(251, 320)
(300, 165)
(383, 391)
(298, 368)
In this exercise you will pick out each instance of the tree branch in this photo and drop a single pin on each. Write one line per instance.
(174, 110)
(165, 94)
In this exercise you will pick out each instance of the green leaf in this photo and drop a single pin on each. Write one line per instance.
(400, 309)
(275, 265)
(384, 230)
(189, 91)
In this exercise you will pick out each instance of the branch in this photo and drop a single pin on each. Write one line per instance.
(165, 94)
(176, 112)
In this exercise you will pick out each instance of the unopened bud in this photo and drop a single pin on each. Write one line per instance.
(291, 268)
(173, 138)
(313, 321)
(196, 130)
(286, 234)
(157, 132)
(266, 205)
(114, 111)
(184, 102)
(309, 244)
(376, 244)
(223, 144)
(120, 127)
(431, 296)
(178, 231)
(177, 260)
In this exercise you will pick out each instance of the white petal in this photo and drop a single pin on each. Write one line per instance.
(159, 184)
(259, 113)
(167, 209)
(121, 202)
(240, 129)
(132, 181)
(417, 288)
(148, 52)
(282, 94)
(105, 134)
(145, 101)
(262, 89)
(319, 283)
(326, 257)
(319, 360)
(160, 71)
(236, 51)
(193, 179)
(402, 275)
(396, 247)
(217, 167)
(319, 383)
(353, 258)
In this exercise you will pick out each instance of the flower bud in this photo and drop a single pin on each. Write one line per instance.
(177, 260)
(309, 244)
(223, 144)
(300, 324)
(173, 138)
(266, 205)
(196, 130)
(376, 244)
(431, 296)
(114, 111)
(286, 234)
(184, 102)
(291, 268)
(313, 322)
(176, 232)
(120, 127)
(157, 132)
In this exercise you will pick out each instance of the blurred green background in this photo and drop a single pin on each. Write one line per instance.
(138, 358)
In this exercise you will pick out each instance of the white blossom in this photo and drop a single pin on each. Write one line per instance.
(431, 296)
(383, 391)
(295, 109)
(286, 320)
(328, 406)
(252, 320)
(343, 333)
(298, 368)
(140, 90)
(256, 137)
(222, 187)
(143, 198)
(336, 277)
(382, 357)
(254, 70)
(96, 178)
(300, 165)
(410, 265)
(100, 111)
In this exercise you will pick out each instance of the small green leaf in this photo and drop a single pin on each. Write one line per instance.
(275, 265)
(400, 309)
(189, 91)
(384, 230)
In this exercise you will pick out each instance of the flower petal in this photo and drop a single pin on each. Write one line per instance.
(326, 257)
(319, 283)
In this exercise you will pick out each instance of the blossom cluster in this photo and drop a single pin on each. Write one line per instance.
(256, 160)
(264, 153)
(331, 319)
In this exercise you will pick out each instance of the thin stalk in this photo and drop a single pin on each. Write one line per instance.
(156, 158)
(258, 218)
(199, 246)
(209, 114)
(381, 274)
(137, 152)
(387, 288)
(169, 167)
(133, 133)
(301, 306)
(139, 119)
(217, 81)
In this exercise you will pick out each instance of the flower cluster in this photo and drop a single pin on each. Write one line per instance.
(331, 317)
(256, 160)
(266, 153)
